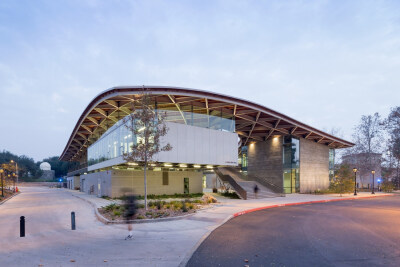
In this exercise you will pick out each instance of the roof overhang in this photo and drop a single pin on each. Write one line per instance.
(254, 122)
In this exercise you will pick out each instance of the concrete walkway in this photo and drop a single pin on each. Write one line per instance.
(50, 242)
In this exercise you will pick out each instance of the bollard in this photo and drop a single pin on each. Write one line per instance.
(22, 226)
(73, 227)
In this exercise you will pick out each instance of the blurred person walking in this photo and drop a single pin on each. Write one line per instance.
(130, 211)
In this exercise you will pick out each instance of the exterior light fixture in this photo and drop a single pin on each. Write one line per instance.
(183, 165)
(196, 166)
(209, 167)
(355, 181)
(373, 181)
(132, 163)
(167, 165)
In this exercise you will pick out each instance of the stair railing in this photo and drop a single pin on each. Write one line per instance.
(227, 178)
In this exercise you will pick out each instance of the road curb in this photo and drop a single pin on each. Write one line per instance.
(305, 203)
(7, 199)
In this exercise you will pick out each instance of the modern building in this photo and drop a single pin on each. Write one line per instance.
(217, 140)
(365, 164)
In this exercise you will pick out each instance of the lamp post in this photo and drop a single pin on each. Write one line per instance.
(355, 181)
(2, 182)
(373, 181)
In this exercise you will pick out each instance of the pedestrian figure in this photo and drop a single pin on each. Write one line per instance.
(130, 211)
(255, 190)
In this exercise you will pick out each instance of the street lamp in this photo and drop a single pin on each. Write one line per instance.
(2, 182)
(373, 181)
(355, 181)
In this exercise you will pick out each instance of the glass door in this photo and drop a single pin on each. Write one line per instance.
(186, 185)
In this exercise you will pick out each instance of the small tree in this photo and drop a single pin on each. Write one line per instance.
(343, 181)
(147, 125)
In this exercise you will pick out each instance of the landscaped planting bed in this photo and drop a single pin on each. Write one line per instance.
(157, 209)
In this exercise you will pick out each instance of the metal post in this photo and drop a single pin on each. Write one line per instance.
(73, 226)
(355, 183)
(373, 182)
(22, 226)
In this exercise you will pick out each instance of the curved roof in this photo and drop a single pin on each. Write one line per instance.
(254, 122)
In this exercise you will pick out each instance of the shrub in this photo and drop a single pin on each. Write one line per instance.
(387, 186)
(343, 181)
(117, 213)
(140, 206)
(191, 206)
(140, 217)
(111, 207)
(159, 204)
(232, 195)
(184, 208)
(149, 213)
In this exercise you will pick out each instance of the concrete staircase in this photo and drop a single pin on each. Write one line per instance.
(246, 185)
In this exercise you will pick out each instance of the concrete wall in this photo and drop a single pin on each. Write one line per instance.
(73, 182)
(96, 181)
(135, 179)
(265, 160)
(314, 166)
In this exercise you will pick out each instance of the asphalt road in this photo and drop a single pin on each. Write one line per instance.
(346, 233)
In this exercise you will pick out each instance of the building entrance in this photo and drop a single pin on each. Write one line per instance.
(186, 185)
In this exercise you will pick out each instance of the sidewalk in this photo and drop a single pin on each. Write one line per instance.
(187, 234)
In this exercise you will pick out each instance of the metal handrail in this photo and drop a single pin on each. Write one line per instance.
(263, 181)
(227, 178)
(275, 188)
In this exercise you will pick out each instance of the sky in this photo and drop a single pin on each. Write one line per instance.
(325, 63)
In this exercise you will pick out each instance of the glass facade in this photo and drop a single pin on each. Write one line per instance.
(331, 163)
(243, 158)
(291, 164)
(117, 140)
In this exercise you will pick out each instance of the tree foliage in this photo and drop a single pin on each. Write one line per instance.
(343, 182)
(393, 127)
(147, 126)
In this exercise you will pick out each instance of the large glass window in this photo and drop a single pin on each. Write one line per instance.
(243, 158)
(331, 163)
(291, 164)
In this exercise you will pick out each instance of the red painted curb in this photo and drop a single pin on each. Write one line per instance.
(303, 203)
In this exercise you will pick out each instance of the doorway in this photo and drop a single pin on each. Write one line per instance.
(186, 185)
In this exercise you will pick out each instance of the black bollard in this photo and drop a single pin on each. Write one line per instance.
(73, 220)
(22, 226)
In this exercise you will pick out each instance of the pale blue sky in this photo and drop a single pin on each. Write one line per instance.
(325, 63)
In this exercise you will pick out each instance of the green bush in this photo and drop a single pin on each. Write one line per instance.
(149, 213)
(140, 217)
(172, 196)
(117, 213)
(232, 195)
(387, 186)
(184, 208)
(343, 181)
(111, 207)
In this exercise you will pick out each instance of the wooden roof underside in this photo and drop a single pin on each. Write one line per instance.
(252, 121)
